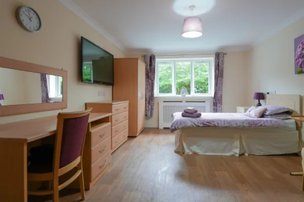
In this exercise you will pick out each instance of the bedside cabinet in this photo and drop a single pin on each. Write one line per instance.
(242, 109)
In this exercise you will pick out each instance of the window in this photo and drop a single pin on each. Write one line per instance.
(55, 87)
(191, 76)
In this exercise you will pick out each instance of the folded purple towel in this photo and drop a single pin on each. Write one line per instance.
(190, 111)
(194, 115)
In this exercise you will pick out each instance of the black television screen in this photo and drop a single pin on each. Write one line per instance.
(96, 64)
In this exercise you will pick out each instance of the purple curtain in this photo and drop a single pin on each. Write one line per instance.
(44, 88)
(150, 77)
(218, 81)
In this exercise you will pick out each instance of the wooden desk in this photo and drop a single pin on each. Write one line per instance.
(14, 140)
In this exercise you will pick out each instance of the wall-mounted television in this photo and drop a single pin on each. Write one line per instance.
(96, 64)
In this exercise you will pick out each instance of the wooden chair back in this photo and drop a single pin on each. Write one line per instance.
(67, 158)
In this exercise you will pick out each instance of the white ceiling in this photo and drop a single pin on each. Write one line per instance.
(143, 26)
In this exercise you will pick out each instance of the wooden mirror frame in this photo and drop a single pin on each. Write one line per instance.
(7, 110)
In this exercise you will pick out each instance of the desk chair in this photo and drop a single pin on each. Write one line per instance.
(65, 158)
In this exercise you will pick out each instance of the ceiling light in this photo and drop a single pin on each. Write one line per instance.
(182, 7)
(192, 27)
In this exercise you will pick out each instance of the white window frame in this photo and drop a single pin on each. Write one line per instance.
(208, 59)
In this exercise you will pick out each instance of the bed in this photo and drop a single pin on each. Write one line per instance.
(273, 138)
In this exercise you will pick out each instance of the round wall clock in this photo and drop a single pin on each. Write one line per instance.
(29, 18)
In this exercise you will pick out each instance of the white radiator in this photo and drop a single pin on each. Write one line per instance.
(167, 108)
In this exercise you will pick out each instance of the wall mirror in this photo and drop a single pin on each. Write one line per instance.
(27, 87)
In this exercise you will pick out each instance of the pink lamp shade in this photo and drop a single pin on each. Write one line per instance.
(192, 27)
(259, 96)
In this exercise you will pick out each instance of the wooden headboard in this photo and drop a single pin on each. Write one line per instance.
(290, 101)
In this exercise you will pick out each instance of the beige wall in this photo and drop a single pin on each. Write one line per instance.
(13, 93)
(272, 67)
(56, 45)
(268, 67)
(32, 87)
(236, 67)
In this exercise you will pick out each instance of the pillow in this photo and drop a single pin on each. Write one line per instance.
(250, 109)
(271, 109)
(256, 112)
(282, 116)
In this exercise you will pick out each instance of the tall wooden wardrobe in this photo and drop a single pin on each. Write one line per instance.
(129, 84)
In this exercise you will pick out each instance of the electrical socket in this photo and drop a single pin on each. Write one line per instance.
(100, 93)
(271, 92)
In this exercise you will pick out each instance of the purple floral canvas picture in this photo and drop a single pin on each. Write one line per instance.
(299, 55)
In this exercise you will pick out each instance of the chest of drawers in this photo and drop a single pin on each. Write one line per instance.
(97, 153)
(119, 119)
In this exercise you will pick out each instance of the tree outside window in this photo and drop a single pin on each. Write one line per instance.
(183, 76)
(165, 77)
(201, 78)
(192, 75)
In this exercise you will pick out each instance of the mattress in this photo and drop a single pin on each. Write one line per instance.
(235, 141)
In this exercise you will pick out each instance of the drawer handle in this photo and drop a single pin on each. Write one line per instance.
(103, 165)
(101, 135)
(102, 150)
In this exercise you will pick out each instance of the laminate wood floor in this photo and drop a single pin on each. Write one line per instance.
(146, 169)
